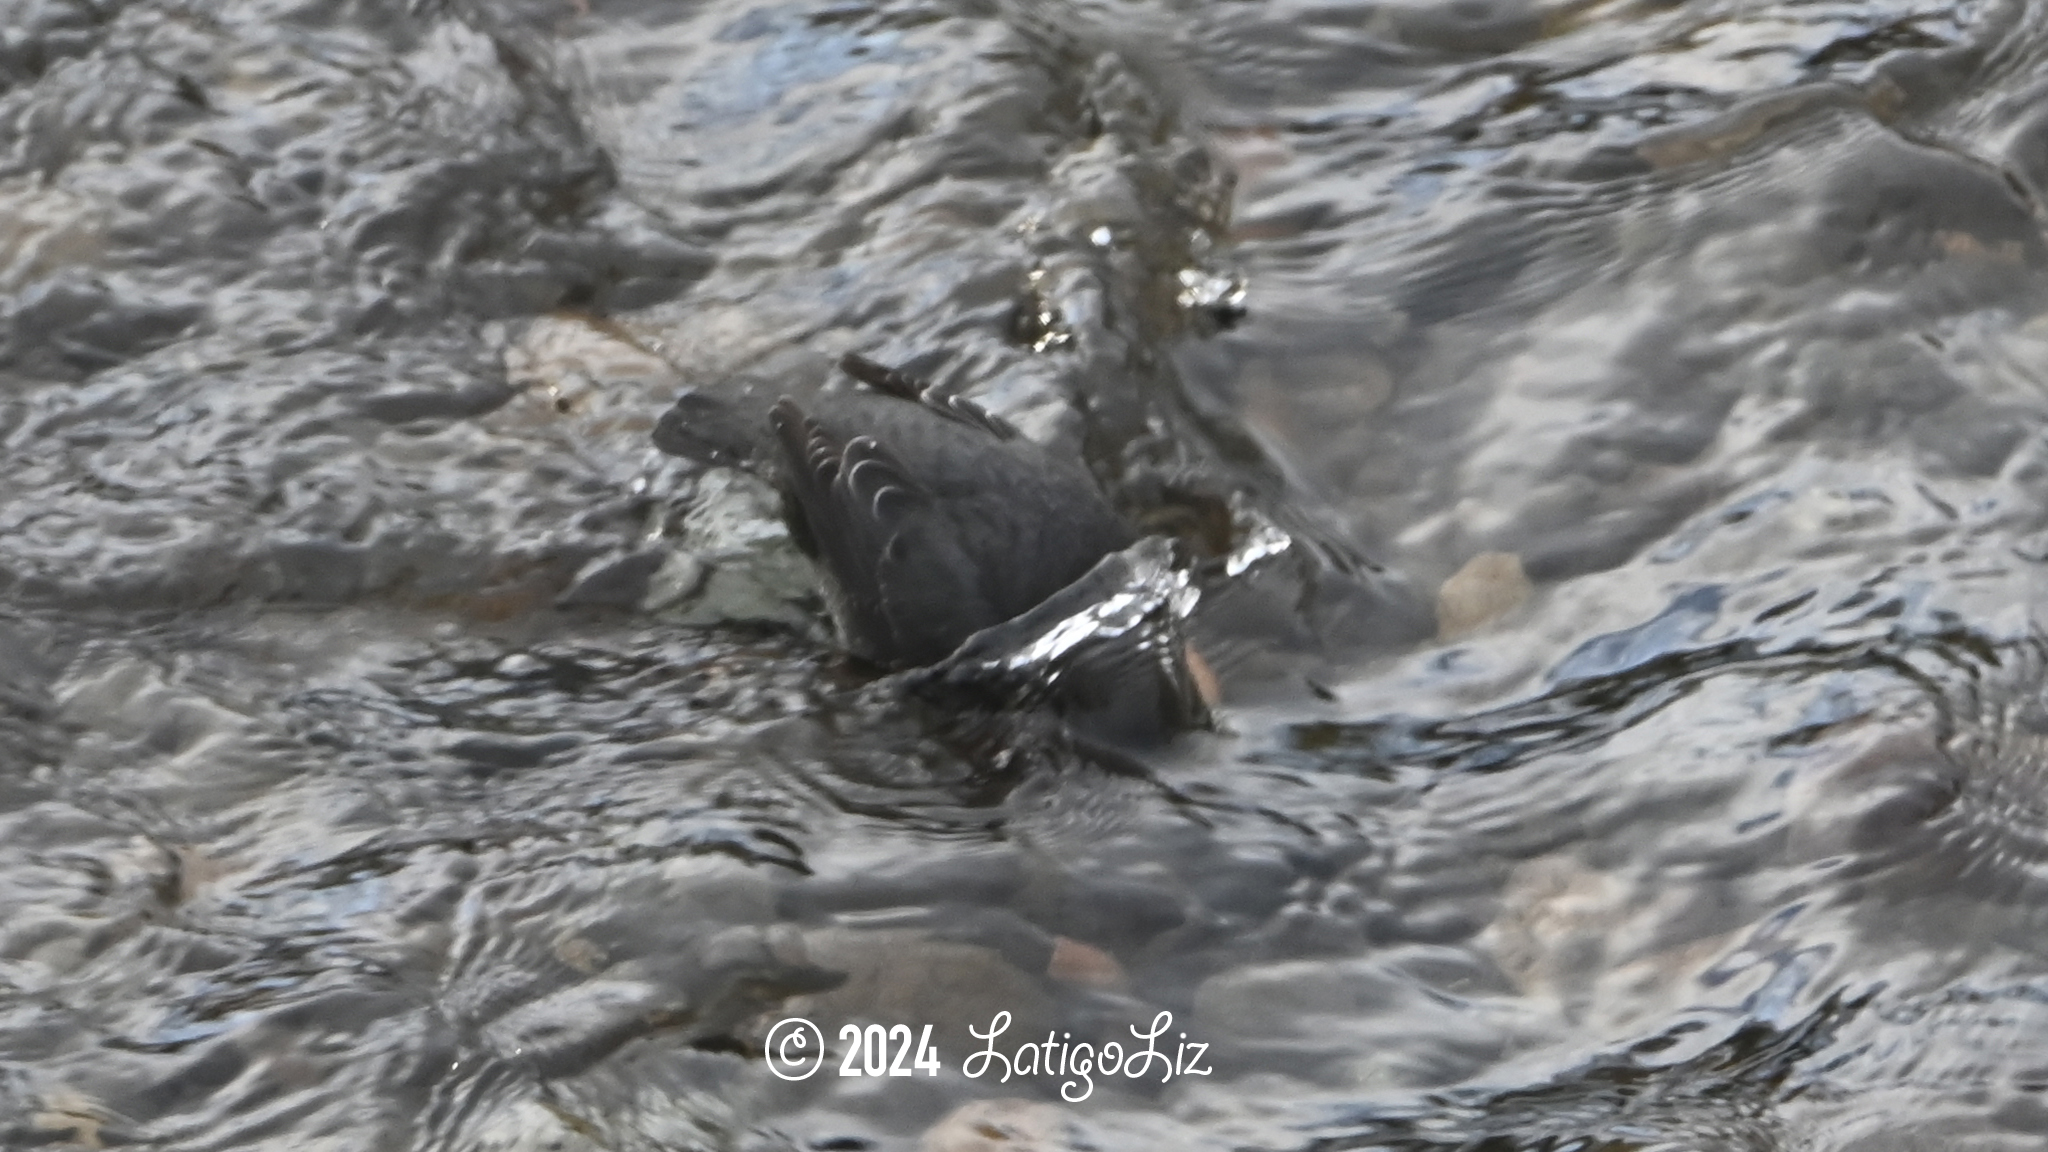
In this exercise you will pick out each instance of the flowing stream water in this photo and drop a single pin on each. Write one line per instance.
(1608, 439)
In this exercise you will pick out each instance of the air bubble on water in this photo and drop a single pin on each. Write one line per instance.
(519, 666)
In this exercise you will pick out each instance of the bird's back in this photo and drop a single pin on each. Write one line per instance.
(930, 525)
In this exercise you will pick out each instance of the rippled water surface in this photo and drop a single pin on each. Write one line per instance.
(1610, 440)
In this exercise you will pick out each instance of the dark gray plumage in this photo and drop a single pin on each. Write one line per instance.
(931, 518)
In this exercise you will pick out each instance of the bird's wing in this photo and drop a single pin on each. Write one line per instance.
(891, 382)
(816, 463)
(873, 530)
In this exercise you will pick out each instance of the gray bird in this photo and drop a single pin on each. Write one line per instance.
(931, 518)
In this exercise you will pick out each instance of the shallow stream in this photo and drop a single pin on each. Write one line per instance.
(1611, 439)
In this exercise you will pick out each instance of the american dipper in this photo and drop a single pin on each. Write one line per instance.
(931, 518)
